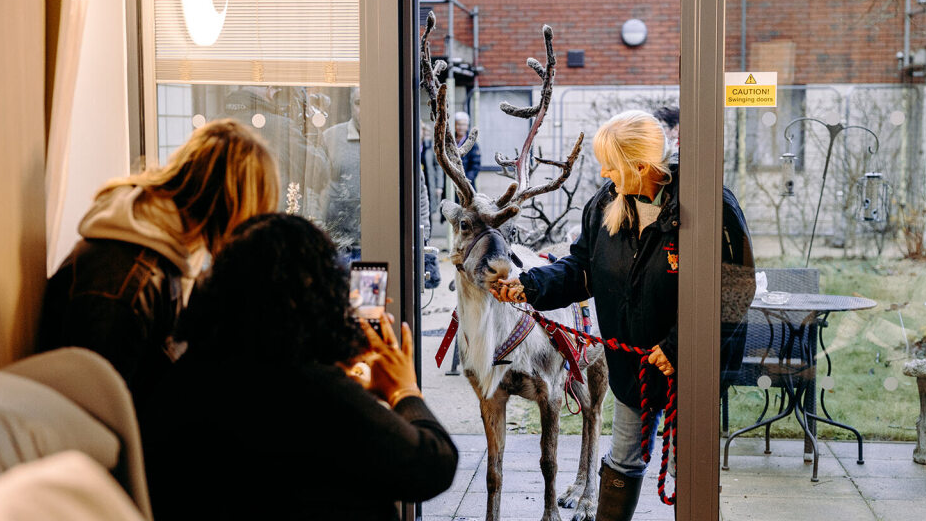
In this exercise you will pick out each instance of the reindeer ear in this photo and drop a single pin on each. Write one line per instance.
(451, 211)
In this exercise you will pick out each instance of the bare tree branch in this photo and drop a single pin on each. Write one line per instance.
(565, 166)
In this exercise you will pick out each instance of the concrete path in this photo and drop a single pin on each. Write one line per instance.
(758, 487)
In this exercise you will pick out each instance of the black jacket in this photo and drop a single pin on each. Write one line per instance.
(634, 280)
(737, 287)
(239, 437)
(119, 299)
(472, 162)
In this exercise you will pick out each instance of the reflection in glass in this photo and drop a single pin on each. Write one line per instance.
(313, 131)
(833, 188)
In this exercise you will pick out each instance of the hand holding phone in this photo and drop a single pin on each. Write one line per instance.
(368, 292)
(392, 370)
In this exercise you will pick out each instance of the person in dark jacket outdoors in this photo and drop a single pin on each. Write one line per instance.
(145, 239)
(275, 411)
(668, 117)
(627, 258)
(472, 161)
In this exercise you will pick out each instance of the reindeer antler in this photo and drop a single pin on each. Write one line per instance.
(429, 74)
(448, 155)
(521, 190)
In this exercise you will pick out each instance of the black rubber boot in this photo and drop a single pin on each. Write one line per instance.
(617, 495)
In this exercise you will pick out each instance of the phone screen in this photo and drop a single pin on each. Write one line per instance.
(368, 291)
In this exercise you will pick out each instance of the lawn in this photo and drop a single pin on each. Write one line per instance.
(867, 350)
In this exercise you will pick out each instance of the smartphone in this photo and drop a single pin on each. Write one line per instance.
(368, 291)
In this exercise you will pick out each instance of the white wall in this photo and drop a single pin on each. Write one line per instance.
(99, 148)
(22, 147)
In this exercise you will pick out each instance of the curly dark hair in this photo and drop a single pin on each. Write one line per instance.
(277, 293)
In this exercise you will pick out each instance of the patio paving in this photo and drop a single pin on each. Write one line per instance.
(758, 487)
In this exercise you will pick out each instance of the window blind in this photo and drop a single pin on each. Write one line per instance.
(264, 42)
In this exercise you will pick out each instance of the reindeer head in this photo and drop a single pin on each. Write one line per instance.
(480, 250)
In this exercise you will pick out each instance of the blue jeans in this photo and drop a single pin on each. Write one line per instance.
(626, 455)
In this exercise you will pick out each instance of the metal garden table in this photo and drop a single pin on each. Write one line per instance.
(797, 363)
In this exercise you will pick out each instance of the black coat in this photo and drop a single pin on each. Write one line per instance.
(472, 162)
(239, 437)
(634, 283)
(634, 280)
(737, 287)
(119, 299)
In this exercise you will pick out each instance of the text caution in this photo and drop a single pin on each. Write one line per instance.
(751, 89)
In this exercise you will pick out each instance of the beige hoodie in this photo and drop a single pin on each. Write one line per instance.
(128, 214)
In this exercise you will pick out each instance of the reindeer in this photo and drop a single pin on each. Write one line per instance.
(482, 256)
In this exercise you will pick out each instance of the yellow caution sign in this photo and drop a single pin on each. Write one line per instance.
(751, 89)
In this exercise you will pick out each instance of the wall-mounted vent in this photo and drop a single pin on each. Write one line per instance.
(575, 58)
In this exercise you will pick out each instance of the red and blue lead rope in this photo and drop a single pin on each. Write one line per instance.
(670, 424)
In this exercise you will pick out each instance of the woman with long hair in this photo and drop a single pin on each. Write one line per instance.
(265, 418)
(627, 259)
(144, 241)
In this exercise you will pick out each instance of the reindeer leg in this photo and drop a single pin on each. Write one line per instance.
(570, 498)
(597, 376)
(549, 435)
(493, 419)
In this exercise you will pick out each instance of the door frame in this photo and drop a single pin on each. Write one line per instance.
(389, 47)
(700, 189)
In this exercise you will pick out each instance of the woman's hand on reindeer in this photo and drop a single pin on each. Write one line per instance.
(392, 371)
(509, 290)
(658, 358)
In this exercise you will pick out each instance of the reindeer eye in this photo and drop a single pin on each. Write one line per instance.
(464, 225)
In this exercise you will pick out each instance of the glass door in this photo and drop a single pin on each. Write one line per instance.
(610, 58)
(294, 72)
(289, 71)
(821, 373)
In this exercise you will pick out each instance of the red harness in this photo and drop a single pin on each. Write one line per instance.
(570, 349)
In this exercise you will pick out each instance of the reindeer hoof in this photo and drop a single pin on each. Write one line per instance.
(570, 498)
(585, 511)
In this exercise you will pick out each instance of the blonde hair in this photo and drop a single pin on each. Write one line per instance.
(626, 142)
(223, 175)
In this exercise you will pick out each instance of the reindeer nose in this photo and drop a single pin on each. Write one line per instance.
(498, 267)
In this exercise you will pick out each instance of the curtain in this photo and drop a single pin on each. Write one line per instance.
(70, 36)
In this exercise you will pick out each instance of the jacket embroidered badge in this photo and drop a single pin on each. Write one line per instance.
(672, 258)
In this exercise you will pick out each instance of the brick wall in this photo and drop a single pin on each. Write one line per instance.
(510, 32)
(835, 41)
(807, 41)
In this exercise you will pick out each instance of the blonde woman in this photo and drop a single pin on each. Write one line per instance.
(627, 258)
(145, 239)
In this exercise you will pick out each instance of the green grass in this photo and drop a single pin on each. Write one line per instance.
(866, 348)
